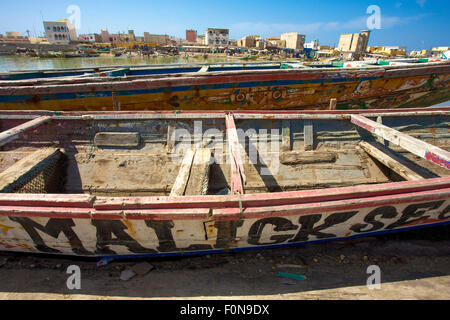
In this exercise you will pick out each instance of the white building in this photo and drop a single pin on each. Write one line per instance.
(61, 31)
(92, 37)
(312, 45)
(217, 37)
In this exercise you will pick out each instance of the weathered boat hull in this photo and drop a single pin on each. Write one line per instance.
(88, 227)
(309, 88)
(120, 193)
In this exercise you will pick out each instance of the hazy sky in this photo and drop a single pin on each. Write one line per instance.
(417, 24)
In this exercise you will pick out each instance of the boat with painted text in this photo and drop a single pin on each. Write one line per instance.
(121, 184)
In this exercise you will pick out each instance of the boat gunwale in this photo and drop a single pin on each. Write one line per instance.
(213, 114)
(220, 207)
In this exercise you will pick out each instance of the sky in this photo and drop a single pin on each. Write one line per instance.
(416, 24)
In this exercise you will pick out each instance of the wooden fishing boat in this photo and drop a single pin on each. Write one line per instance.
(254, 86)
(119, 184)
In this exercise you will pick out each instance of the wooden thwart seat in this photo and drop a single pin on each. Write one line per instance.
(418, 147)
(397, 164)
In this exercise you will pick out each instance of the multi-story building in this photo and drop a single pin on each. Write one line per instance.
(439, 50)
(217, 37)
(390, 51)
(324, 47)
(293, 40)
(354, 45)
(191, 36)
(105, 36)
(248, 41)
(314, 45)
(275, 42)
(201, 39)
(13, 37)
(131, 36)
(160, 39)
(61, 31)
(92, 37)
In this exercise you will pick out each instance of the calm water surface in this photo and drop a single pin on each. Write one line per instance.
(13, 63)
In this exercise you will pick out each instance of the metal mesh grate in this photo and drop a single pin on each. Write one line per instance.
(47, 177)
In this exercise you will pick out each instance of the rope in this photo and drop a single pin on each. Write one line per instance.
(241, 213)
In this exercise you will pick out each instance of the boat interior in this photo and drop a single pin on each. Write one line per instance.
(216, 153)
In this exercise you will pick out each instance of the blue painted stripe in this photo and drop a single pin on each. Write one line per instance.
(100, 94)
(262, 247)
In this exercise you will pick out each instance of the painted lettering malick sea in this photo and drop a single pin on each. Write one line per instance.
(104, 184)
(99, 237)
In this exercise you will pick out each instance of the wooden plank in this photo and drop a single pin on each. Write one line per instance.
(333, 103)
(418, 147)
(171, 136)
(300, 157)
(390, 160)
(308, 132)
(117, 139)
(199, 177)
(237, 179)
(14, 133)
(379, 139)
(116, 104)
(286, 135)
(20, 172)
(183, 175)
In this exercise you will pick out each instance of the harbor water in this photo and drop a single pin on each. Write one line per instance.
(16, 62)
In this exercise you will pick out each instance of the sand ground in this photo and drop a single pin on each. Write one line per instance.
(413, 265)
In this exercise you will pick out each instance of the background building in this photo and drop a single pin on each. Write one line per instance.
(201, 39)
(217, 37)
(14, 37)
(131, 36)
(92, 37)
(389, 51)
(105, 36)
(61, 31)
(191, 36)
(248, 41)
(293, 40)
(159, 39)
(275, 42)
(354, 45)
(314, 45)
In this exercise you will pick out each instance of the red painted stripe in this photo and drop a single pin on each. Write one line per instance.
(272, 199)
(221, 114)
(227, 213)
(332, 206)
